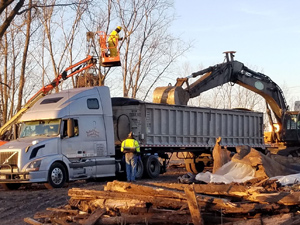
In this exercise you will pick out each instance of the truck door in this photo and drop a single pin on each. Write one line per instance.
(82, 165)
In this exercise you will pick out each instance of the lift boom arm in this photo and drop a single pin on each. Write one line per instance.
(84, 64)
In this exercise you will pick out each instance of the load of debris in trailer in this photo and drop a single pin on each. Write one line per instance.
(249, 188)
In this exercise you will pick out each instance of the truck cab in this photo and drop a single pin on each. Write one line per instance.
(64, 136)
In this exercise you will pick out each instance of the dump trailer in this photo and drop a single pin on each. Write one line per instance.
(77, 133)
(163, 128)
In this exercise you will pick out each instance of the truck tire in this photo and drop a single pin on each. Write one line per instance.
(139, 169)
(151, 166)
(57, 176)
(11, 186)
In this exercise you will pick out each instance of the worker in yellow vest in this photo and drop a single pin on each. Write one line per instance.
(131, 148)
(113, 40)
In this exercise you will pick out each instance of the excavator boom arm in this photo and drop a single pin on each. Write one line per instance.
(230, 71)
(236, 72)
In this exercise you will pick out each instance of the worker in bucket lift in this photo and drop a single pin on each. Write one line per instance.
(112, 41)
(131, 148)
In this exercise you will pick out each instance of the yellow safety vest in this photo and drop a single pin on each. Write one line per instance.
(130, 145)
(113, 37)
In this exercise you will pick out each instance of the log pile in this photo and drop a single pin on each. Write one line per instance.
(163, 203)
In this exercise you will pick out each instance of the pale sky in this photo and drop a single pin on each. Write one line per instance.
(264, 33)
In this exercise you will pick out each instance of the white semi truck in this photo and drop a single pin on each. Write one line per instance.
(76, 134)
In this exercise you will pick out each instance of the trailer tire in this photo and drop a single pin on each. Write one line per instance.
(57, 176)
(151, 166)
(139, 169)
(10, 186)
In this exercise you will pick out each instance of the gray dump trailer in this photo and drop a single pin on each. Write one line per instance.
(162, 128)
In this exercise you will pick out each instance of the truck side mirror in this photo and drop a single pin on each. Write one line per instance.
(70, 128)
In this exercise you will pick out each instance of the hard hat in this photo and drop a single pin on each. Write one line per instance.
(119, 27)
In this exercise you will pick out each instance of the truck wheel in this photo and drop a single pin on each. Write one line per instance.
(139, 170)
(56, 176)
(11, 186)
(151, 166)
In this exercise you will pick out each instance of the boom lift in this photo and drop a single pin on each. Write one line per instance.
(84, 64)
(284, 141)
(106, 60)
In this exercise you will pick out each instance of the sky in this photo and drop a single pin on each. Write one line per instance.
(265, 35)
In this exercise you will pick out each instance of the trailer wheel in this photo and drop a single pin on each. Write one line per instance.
(11, 186)
(139, 169)
(56, 176)
(151, 166)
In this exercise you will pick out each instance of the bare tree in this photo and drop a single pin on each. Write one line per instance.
(4, 4)
(148, 49)
(24, 58)
(60, 33)
(13, 63)
(22, 41)
(19, 7)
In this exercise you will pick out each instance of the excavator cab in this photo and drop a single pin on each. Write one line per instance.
(106, 60)
(291, 132)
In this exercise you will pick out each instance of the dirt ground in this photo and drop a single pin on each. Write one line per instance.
(25, 202)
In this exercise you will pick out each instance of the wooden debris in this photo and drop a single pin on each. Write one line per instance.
(193, 205)
(160, 203)
(96, 215)
(31, 221)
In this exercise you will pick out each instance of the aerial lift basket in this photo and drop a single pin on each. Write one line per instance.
(106, 59)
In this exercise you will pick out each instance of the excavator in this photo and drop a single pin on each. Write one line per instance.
(9, 131)
(284, 139)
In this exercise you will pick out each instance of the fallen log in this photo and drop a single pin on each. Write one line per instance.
(265, 220)
(208, 203)
(193, 205)
(153, 219)
(115, 196)
(94, 217)
(32, 221)
(59, 210)
(234, 190)
(118, 186)
(283, 198)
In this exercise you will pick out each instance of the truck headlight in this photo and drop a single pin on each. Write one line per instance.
(34, 166)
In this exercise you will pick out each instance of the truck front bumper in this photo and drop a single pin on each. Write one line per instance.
(10, 173)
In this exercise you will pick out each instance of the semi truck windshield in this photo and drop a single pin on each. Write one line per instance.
(40, 128)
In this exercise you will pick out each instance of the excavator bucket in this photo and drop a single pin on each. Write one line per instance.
(107, 60)
(172, 95)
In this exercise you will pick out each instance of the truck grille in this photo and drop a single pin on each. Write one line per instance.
(10, 157)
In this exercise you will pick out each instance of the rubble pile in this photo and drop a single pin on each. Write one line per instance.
(253, 202)
(245, 190)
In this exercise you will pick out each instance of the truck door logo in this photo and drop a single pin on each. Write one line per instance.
(93, 132)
